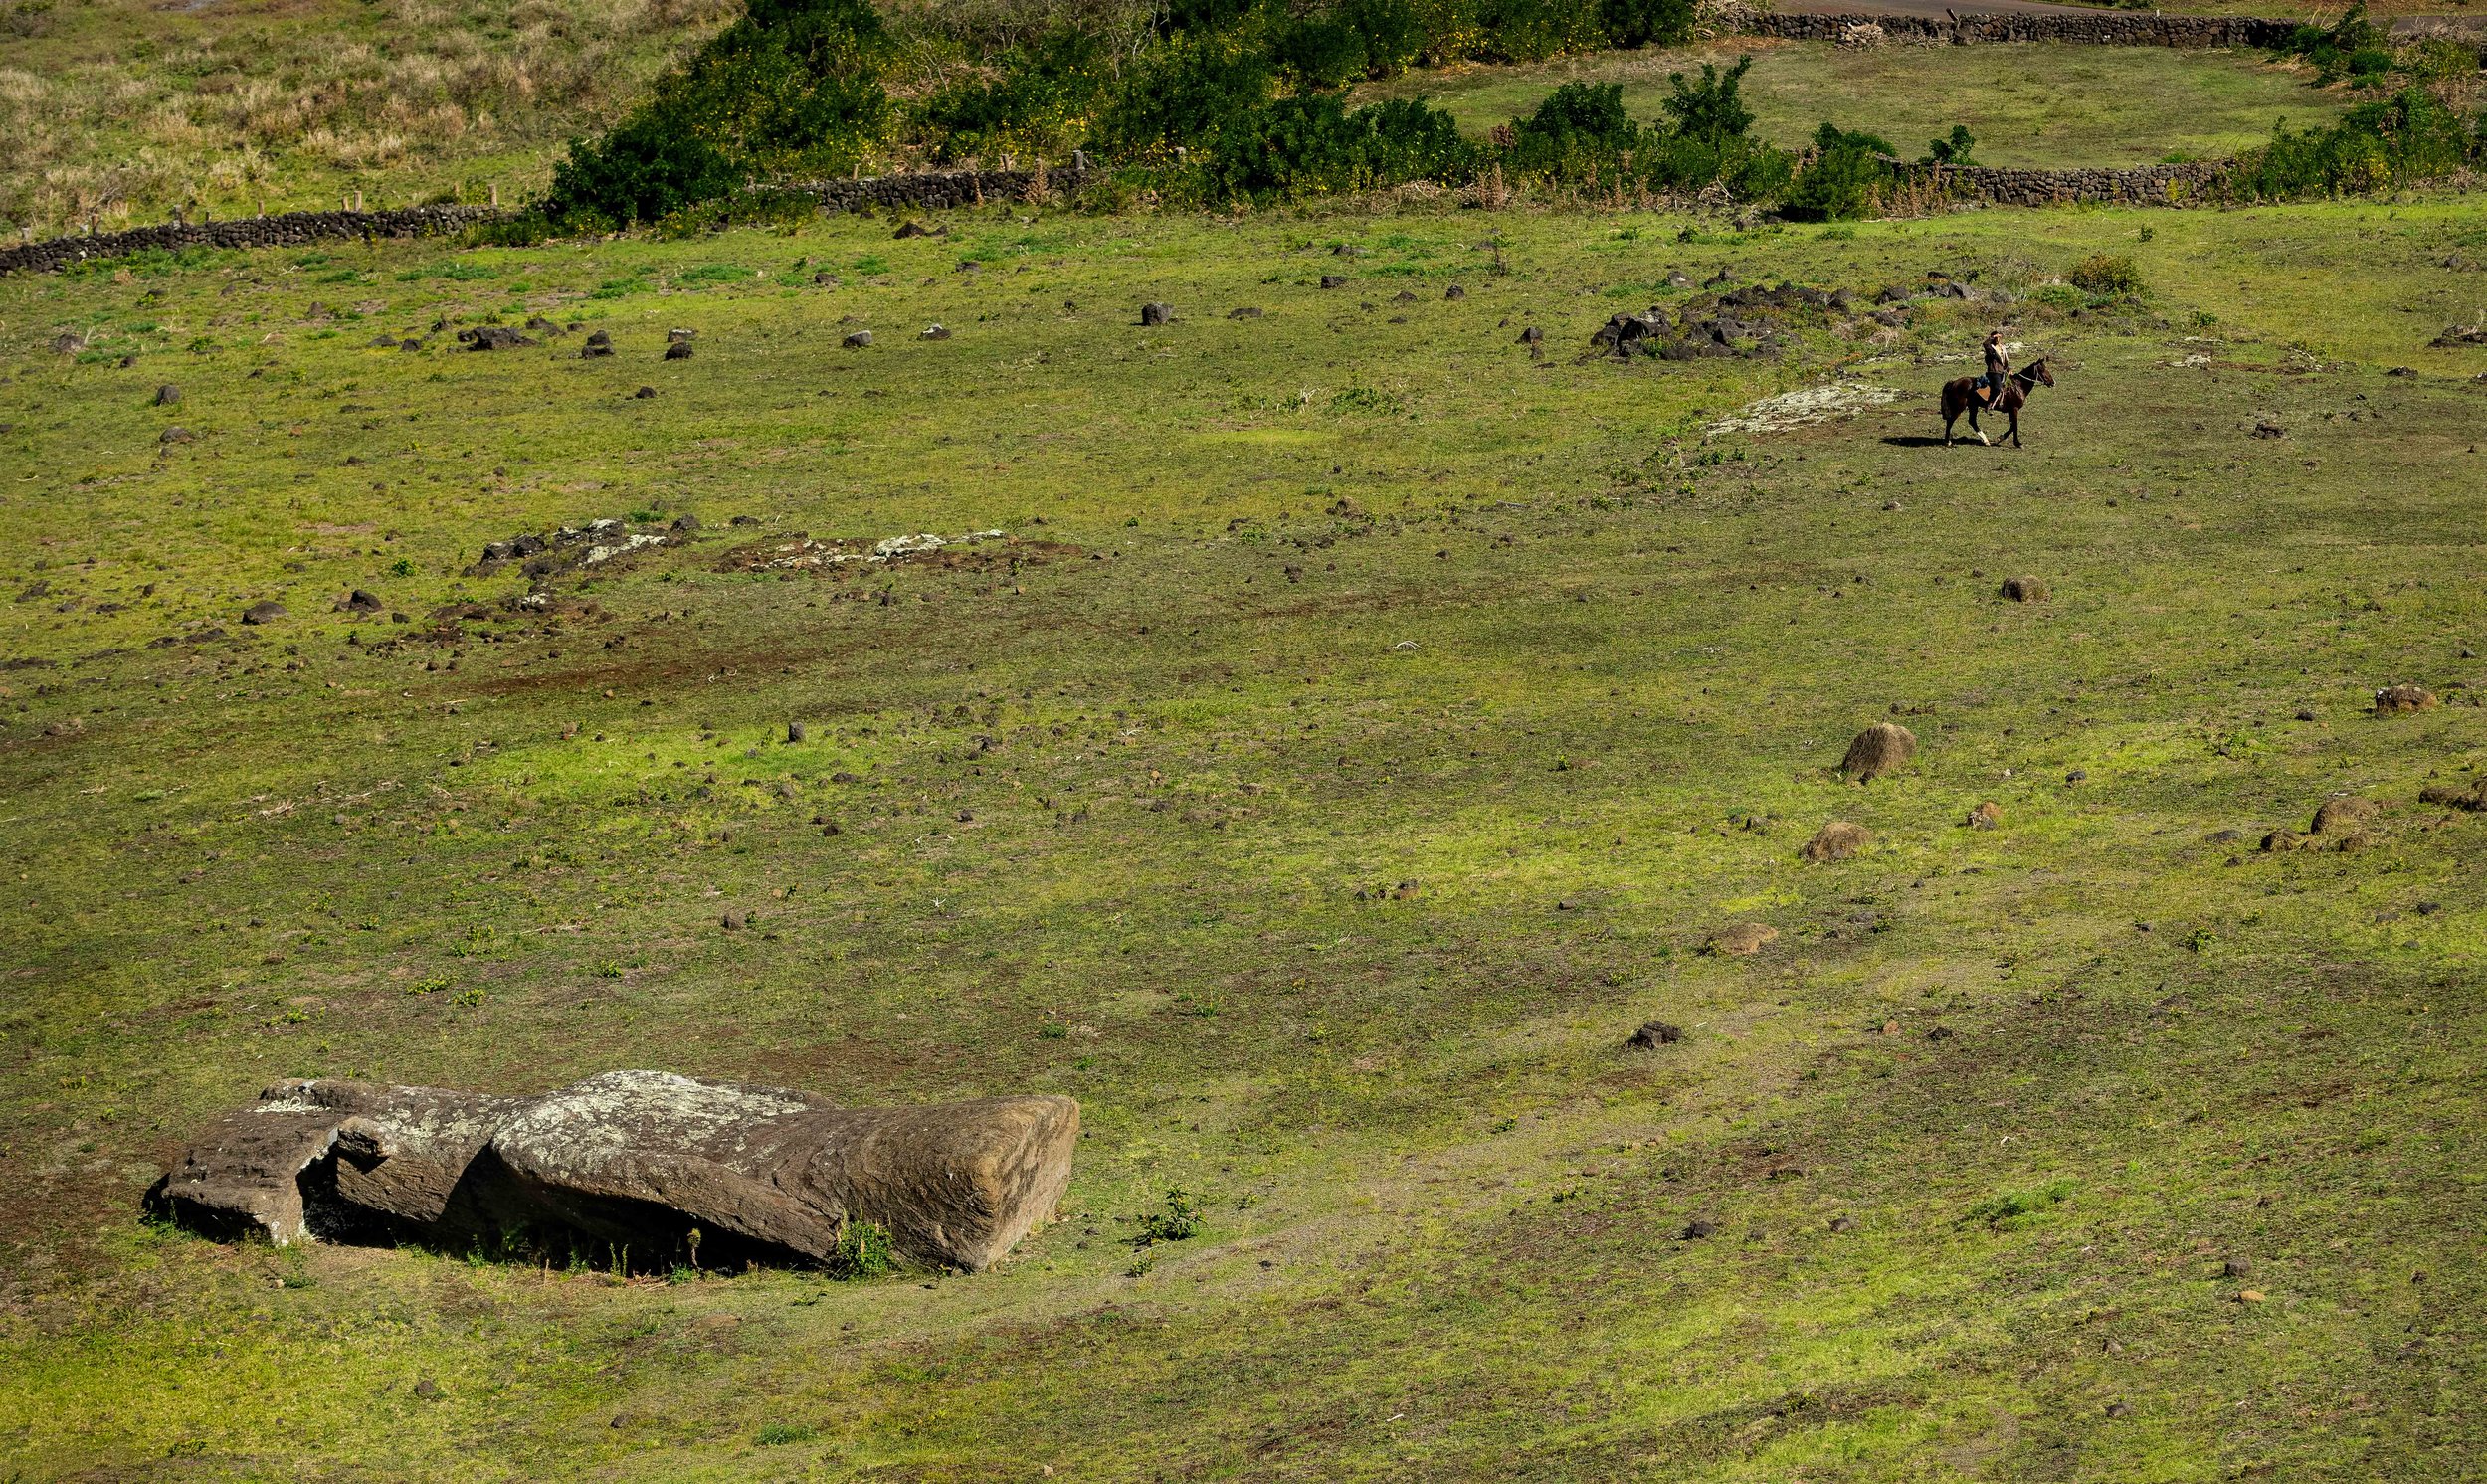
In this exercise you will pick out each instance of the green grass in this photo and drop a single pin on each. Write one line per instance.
(2028, 104)
(1361, 771)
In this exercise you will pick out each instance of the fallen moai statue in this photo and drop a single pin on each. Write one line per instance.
(630, 1159)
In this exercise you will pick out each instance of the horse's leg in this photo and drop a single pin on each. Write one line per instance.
(2015, 427)
(1951, 415)
(1980, 432)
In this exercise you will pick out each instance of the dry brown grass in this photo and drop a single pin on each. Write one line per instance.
(117, 112)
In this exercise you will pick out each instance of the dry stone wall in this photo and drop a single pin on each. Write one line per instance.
(294, 229)
(2105, 29)
(929, 191)
(2189, 184)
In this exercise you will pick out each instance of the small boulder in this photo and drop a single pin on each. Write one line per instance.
(1655, 1034)
(1700, 1228)
(1153, 315)
(1246, 312)
(1985, 816)
(1454, 294)
(2342, 813)
(912, 228)
(1743, 939)
(643, 394)
(1836, 841)
(796, 732)
(678, 350)
(362, 604)
(1531, 336)
(598, 343)
(935, 333)
(2025, 589)
(2396, 698)
(266, 610)
(1884, 747)
(176, 436)
(168, 394)
(1333, 281)
(857, 340)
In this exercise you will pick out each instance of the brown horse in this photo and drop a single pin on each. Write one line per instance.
(1961, 396)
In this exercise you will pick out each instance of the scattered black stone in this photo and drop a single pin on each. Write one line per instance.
(643, 394)
(1531, 335)
(359, 603)
(492, 337)
(744, 521)
(680, 350)
(597, 343)
(1455, 292)
(734, 920)
(168, 394)
(1700, 1228)
(1333, 281)
(176, 436)
(912, 228)
(1843, 1224)
(1153, 315)
(857, 340)
(1246, 312)
(542, 325)
(418, 345)
(796, 732)
(844, 776)
(2118, 1411)
(266, 610)
(1656, 1035)
(685, 523)
(1403, 296)
(935, 333)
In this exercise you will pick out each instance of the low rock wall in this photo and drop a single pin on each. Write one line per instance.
(2105, 29)
(2189, 184)
(294, 229)
(929, 191)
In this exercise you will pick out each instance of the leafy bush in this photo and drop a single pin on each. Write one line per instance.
(1844, 179)
(792, 87)
(1321, 51)
(1394, 36)
(2107, 276)
(863, 1251)
(1312, 145)
(2351, 45)
(1533, 30)
(2410, 137)
(1953, 151)
(1040, 97)
(1647, 23)
(1578, 131)
(1710, 111)
(1179, 1220)
(1189, 91)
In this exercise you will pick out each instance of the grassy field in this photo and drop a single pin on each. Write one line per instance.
(1366, 728)
(2034, 104)
(122, 110)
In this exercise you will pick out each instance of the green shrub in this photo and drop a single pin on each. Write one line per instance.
(1845, 176)
(2348, 46)
(1580, 129)
(1533, 30)
(1312, 145)
(1394, 34)
(2107, 276)
(792, 87)
(1041, 98)
(2410, 137)
(1645, 23)
(863, 1251)
(1179, 1220)
(1321, 51)
(1191, 91)
(1711, 110)
(1955, 151)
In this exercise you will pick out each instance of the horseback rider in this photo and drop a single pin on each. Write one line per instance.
(1999, 367)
